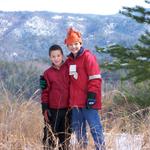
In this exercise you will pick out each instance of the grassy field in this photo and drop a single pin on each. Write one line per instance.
(126, 127)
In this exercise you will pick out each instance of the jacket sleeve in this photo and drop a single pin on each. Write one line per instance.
(93, 72)
(45, 92)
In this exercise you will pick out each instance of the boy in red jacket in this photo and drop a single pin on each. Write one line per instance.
(55, 99)
(85, 90)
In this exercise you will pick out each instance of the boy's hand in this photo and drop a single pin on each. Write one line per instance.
(90, 100)
(47, 115)
(43, 83)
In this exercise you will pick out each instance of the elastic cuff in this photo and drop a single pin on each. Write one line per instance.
(91, 95)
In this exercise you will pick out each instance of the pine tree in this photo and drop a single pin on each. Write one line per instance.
(134, 59)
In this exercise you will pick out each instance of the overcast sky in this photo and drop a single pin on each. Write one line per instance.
(72, 6)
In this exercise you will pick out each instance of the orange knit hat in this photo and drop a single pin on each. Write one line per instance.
(73, 36)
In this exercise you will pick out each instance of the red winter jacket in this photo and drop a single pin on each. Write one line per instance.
(56, 95)
(87, 80)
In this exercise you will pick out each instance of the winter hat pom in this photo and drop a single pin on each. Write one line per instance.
(73, 36)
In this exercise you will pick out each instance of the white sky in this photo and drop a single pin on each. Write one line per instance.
(72, 6)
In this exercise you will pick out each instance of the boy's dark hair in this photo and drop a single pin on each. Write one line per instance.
(55, 47)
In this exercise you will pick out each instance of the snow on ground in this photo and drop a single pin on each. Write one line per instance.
(124, 141)
(118, 141)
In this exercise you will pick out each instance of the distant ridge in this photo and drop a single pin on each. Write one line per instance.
(28, 35)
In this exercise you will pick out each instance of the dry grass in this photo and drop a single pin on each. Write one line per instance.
(21, 125)
(127, 127)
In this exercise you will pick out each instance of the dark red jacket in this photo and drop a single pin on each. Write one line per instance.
(56, 95)
(88, 80)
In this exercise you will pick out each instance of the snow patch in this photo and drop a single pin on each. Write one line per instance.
(109, 28)
(76, 18)
(40, 26)
(57, 17)
(4, 25)
(14, 54)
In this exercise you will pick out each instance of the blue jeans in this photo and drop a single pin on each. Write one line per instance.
(79, 118)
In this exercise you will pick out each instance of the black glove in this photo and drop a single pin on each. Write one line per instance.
(91, 100)
(43, 83)
(44, 107)
(46, 112)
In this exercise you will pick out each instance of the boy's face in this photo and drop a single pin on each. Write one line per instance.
(74, 48)
(56, 57)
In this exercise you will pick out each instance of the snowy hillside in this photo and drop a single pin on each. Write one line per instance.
(28, 35)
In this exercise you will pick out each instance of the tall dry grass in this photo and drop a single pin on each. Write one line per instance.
(20, 125)
(126, 127)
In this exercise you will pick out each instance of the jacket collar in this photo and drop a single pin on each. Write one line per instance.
(78, 54)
